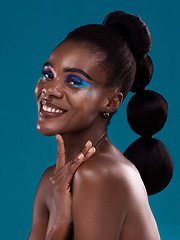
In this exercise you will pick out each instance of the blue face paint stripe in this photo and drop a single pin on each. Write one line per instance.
(90, 93)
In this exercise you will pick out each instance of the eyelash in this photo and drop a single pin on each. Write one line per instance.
(76, 82)
(71, 80)
(47, 75)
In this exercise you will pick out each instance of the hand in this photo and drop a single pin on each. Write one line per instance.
(61, 179)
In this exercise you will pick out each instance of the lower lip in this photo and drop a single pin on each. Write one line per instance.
(45, 114)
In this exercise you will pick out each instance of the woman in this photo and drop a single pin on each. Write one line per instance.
(93, 191)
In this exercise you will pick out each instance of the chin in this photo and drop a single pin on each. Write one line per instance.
(46, 131)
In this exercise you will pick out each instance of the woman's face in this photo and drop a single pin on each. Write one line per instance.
(70, 94)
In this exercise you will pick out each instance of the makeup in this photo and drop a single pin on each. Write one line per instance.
(46, 75)
(89, 93)
(70, 91)
(80, 71)
(76, 81)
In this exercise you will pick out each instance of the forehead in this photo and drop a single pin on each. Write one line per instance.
(69, 54)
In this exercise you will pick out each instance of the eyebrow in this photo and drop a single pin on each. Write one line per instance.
(77, 70)
(73, 70)
(47, 64)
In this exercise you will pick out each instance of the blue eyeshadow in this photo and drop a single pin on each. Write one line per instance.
(76, 81)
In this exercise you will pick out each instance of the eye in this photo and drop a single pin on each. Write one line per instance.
(47, 75)
(76, 81)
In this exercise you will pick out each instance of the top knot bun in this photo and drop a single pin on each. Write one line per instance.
(134, 30)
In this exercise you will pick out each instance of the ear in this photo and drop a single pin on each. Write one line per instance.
(114, 100)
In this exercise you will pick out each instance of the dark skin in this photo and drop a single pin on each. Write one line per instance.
(97, 191)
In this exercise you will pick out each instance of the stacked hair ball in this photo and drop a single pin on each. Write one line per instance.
(147, 113)
(147, 110)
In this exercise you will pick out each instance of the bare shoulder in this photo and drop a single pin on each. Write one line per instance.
(44, 182)
(44, 188)
(113, 180)
(112, 177)
(40, 209)
(101, 184)
(112, 170)
(48, 172)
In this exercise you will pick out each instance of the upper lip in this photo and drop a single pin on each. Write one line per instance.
(50, 104)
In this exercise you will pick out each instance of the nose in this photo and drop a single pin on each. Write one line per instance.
(53, 89)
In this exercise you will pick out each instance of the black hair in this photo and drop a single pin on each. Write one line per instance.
(122, 44)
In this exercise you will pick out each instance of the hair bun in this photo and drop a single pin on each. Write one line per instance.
(147, 113)
(153, 161)
(133, 28)
(144, 72)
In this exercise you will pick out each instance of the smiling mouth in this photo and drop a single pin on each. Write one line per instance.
(50, 110)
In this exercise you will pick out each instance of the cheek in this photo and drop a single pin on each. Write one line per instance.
(90, 93)
(87, 100)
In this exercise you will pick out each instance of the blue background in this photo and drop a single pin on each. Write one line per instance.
(29, 32)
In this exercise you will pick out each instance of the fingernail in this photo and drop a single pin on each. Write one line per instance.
(57, 136)
(86, 143)
(80, 156)
(90, 150)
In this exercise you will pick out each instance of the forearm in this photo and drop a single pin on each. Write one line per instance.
(60, 231)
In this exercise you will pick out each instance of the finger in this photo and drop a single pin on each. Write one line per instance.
(87, 155)
(80, 158)
(70, 172)
(59, 172)
(60, 153)
(64, 175)
(85, 150)
(90, 153)
(62, 179)
(87, 147)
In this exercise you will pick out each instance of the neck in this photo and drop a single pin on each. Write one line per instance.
(75, 142)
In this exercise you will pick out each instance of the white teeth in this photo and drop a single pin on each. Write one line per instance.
(49, 109)
(44, 108)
